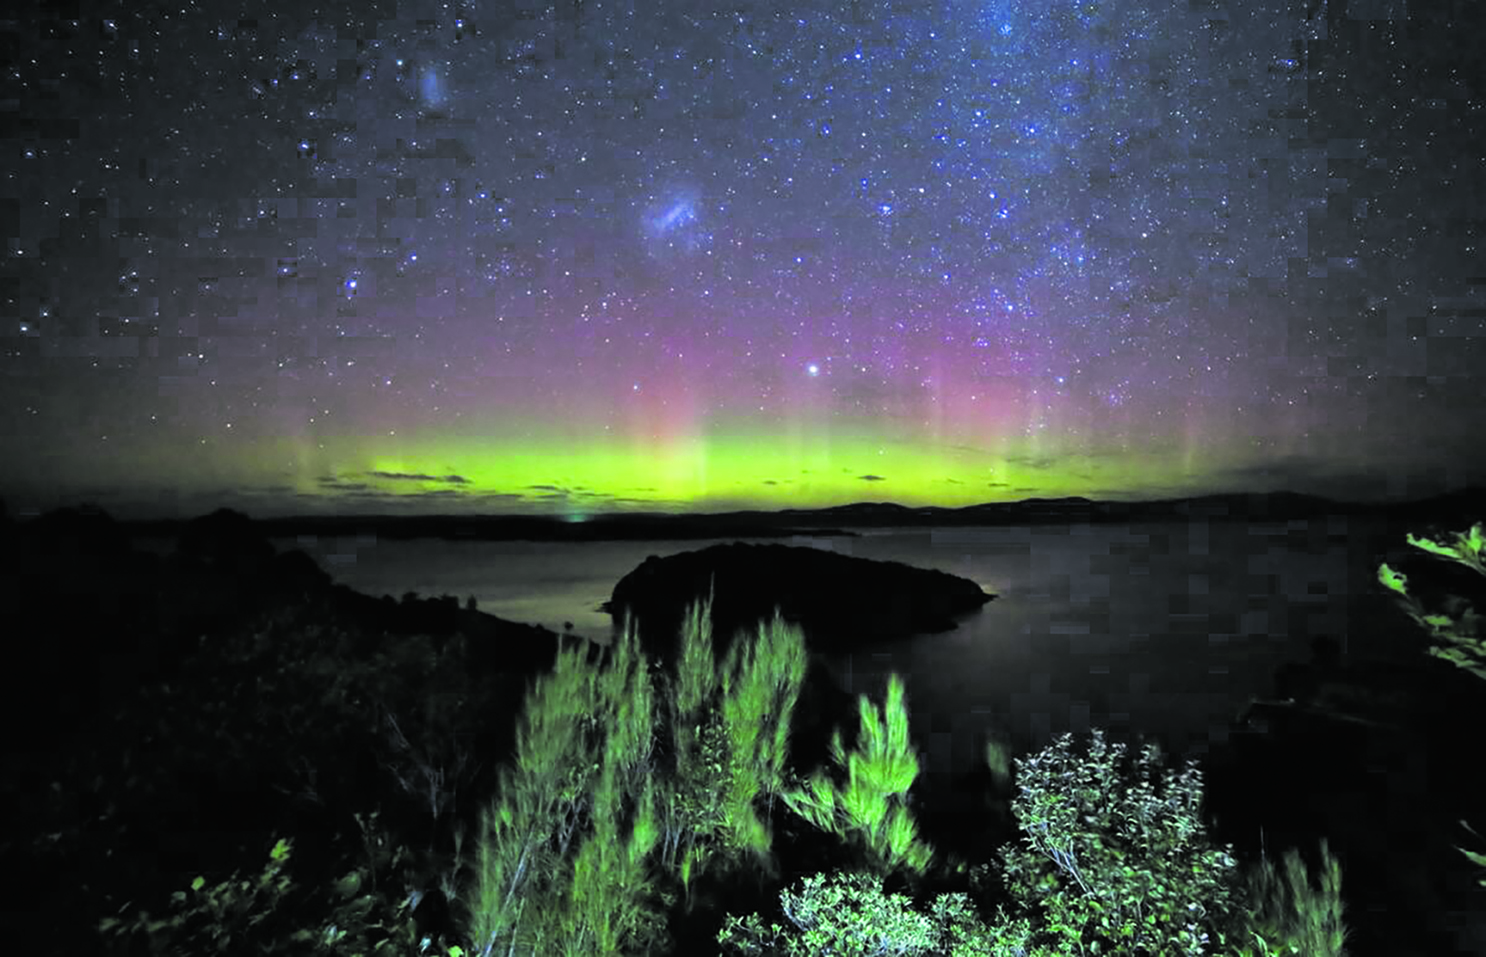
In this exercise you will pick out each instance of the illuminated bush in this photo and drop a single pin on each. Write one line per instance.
(1460, 628)
(849, 915)
(1113, 859)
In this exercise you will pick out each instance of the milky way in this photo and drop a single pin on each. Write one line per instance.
(691, 256)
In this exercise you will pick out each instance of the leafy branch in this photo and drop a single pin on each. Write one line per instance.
(1460, 628)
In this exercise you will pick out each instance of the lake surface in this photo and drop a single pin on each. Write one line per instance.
(1164, 630)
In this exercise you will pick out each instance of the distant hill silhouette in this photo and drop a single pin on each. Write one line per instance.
(1469, 503)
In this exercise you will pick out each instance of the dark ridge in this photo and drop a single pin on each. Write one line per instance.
(787, 523)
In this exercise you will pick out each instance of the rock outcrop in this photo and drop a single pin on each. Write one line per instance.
(839, 602)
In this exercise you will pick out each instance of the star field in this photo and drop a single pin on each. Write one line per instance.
(695, 256)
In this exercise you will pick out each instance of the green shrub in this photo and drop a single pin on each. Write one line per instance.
(225, 918)
(1116, 864)
(849, 915)
(589, 828)
(870, 809)
(730, 727)
(1290, 915)
(287, 704)
(239, 916)
(562, 866)
(1461, 627)
(998, 759)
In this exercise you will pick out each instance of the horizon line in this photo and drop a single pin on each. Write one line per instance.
(566, 515)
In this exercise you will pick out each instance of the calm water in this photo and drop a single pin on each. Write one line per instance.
(1161, 629)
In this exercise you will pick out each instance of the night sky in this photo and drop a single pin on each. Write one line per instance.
(697, 256)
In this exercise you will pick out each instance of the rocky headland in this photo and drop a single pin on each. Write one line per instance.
(841, 603)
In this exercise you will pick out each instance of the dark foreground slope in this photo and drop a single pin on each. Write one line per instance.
(169, 717)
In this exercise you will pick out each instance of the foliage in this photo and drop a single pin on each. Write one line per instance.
(871, 808)
(573, 791)
(730, 734)
(1115, 865)
(1290, 915)
(849, 915)
(326, 694)
(611, 889)
(998, 759)
(221, 919)
(280, 722)
(239, 916)
(1460, 627)
(573, 854)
